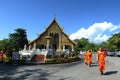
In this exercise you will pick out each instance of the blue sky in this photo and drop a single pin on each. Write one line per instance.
(93, 19)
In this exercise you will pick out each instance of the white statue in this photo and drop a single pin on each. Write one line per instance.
(63, 48)
(29, 47)
(34, 47)
(25, 47)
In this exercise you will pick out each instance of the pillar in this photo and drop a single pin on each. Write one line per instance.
(48, 41)
(60, 42)
(72, 47)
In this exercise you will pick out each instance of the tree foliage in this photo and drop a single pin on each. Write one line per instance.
(103, 45)
(84, 44)
(4, 44)
(114, 41)
(18, 39)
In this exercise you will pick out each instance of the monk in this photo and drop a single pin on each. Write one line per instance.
(1, 55)
(101, 56)
(85, 57)
(89, 58)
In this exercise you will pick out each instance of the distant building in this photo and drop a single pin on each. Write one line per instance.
(53, 37)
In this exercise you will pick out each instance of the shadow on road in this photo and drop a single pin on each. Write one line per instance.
(110, 72)
(6, 70)
(25, 72)
(34, 72)
(11, 72)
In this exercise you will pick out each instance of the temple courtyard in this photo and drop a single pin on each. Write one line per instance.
(67, 71)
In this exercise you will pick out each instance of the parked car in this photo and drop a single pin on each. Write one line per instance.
(81, 52)
(117, 52)
(110, 53)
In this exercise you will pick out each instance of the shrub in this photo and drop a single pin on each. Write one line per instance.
(5, 58)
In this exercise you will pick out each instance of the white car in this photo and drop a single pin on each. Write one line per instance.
(117, 53)
(81, 52)
(110, 53)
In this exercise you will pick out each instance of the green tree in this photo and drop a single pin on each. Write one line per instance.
(114, 41)
(90, 46)
(81, 43)
(103, 45)
(18, 39)
(84, 44)
(4, 44)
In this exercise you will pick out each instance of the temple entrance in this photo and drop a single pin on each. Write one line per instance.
(67, 47)
(54, 42)
(40, 46)
(54, 46)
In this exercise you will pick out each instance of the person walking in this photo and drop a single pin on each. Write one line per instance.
(89, 58)
(1, 56)
(101, 57)
(85, 57)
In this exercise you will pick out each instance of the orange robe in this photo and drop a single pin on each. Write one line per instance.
(101, 60)
(85, 57)
(1, 55)
(89, 58)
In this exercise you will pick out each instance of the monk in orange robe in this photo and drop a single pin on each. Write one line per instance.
(85, 57)
(101, 56)
(89, 58)
(1, 55)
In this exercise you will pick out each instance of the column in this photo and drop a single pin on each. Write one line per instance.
(72, 47)
(34, 46)
(60, 41)
(48, 41)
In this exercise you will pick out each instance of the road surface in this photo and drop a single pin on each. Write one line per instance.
(67, 71)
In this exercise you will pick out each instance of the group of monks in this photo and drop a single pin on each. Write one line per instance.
(100, 57)
(88, 57)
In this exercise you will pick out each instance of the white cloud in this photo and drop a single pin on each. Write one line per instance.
(98, 32)
(115, 28)
(100, 38)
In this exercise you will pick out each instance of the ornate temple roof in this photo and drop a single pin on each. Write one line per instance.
(53, 21)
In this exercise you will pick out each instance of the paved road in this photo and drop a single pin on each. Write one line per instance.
(68, 71)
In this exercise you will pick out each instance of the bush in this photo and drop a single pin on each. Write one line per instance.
(62, 60)
(50, 60)
(5, 58)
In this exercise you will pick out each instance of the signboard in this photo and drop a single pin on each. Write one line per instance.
(15, 56)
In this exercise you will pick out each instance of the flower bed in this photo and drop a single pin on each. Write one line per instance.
(62, 60)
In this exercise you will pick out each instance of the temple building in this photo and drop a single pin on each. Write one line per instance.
(54, 38)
